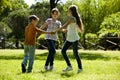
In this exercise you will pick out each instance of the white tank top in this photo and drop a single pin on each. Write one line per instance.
(72, 33)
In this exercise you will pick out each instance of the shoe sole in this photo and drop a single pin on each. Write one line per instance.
(67, 70)
(23, 68)
(79, 71)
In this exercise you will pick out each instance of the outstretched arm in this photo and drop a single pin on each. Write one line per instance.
(44, 25)
(64, 26)
(44, 32)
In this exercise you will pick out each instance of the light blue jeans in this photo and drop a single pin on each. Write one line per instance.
(29, 54)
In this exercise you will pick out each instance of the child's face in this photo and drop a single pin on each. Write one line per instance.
(35, 22)
(55, 15)
(69, 13)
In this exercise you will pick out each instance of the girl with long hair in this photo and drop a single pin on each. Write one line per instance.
(74, 22)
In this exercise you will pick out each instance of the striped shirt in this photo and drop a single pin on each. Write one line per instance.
(52, 26)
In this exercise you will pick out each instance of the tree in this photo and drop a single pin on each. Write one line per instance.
(41, 9)
(17, 20)
(53, 4)
(110, 30)
(5, 7)
(3, 27)
(111, 24)
(18, 4)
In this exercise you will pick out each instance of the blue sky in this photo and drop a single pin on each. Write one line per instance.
(30, 2)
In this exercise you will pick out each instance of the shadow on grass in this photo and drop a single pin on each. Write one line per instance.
(70, 74)
(58, 56)
(12, 57)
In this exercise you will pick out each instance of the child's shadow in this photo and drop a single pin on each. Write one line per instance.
(44, 71)
(67, 74)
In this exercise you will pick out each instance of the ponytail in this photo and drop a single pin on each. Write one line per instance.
(73, 9)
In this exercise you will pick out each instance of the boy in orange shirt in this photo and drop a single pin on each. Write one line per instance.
(29, 43)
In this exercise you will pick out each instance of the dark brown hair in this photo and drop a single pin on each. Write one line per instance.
(74, 11)
(33, 17)
(55, 10)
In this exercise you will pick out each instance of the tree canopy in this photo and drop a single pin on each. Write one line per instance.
(99, 16)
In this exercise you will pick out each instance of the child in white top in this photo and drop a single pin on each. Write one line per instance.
(72, 25)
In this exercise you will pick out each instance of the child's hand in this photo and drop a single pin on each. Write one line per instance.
(53, 32)
(64, 30)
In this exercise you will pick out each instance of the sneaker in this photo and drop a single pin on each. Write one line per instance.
(29, 71)
(69, 68)
(51, 68)
(23, 68)
(46, 68)
(79, 70)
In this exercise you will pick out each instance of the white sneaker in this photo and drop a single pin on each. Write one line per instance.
(51, 68)
(68, 68)
(79, 70)
(46, 68)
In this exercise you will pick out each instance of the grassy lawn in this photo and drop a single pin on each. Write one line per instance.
(97, 65)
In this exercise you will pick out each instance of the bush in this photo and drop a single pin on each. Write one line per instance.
(91, 40)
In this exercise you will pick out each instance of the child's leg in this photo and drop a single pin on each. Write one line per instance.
(26, 52)
(53, 51)
(64, 49)
(75, 51)
(31, 58)
(49, 54)
(50, 57)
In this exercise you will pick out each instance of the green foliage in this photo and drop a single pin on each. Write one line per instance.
(91, 40)
(110, 25)
(94, 14)
(110, 28)
(18, 4)
(17, 20)
(90, 35)
(7, 6)
(94, 11)
(41, 9)
(4, 29)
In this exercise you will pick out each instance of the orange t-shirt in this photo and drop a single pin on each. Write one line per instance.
(30, 35)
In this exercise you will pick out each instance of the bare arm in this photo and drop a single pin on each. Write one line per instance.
(65, 25)
(42, 31)
(44, 25)
(81, 29)
(45, 32)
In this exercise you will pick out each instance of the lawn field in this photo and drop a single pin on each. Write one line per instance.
(97, 65)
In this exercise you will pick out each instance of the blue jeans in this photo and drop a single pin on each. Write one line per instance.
(29, 54)
(66, 45)
(52, 51)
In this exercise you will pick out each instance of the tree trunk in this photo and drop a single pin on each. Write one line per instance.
(53, 4)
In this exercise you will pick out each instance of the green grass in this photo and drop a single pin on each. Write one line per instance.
(97, 65)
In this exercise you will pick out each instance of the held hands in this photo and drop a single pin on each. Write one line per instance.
(64, 30)
(52, 32)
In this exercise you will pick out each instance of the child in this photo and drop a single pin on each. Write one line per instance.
(52, 24)
(72, 24)
(29, 43)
